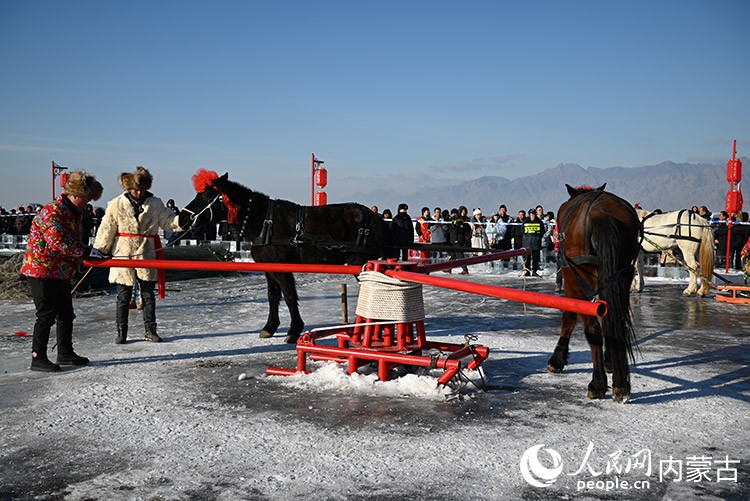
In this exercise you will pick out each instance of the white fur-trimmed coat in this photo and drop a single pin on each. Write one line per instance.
(120, 218)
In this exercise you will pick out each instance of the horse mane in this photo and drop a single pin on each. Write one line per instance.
(584, 188)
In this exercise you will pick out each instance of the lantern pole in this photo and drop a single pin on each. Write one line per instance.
(316, 163)
(56, 171)
(734, 201)
(312, 182)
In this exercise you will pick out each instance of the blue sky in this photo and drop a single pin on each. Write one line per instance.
(390, 94)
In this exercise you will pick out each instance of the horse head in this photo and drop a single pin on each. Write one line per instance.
(200, 210)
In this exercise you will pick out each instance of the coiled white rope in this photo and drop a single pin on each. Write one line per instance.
(384, 298)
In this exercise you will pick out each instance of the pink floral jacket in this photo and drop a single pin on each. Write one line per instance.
(55, 245)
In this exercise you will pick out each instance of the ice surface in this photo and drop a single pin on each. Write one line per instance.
(195, 417)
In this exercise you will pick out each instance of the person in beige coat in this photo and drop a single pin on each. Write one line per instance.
(129, 230)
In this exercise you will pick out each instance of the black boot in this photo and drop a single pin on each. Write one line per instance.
(71, 359)
(41, 363)
(65, 353)
(151, 334)
(122, 334)
(39, 360)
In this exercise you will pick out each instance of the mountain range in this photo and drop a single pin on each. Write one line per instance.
(667, 186)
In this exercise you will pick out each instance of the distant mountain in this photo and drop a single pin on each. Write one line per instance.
(668, 186)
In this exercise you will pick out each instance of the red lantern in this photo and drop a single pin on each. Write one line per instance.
(734, 202)
(321, 198)
(734, 171)
(64, 179)
(321, 178)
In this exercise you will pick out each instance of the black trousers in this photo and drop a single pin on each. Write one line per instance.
(531, 261)
(125, 294)
(54, 305)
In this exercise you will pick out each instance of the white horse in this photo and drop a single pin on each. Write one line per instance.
(683, 229)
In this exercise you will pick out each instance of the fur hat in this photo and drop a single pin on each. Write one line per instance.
(139, 180)
(403, 207)
(477, 212)
(82, 184)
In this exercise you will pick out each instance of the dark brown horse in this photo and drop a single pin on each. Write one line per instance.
(599, 243)
(285, 232)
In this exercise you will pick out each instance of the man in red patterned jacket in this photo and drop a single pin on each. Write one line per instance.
(52, 254)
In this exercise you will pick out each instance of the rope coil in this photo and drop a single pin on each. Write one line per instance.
(385, 298)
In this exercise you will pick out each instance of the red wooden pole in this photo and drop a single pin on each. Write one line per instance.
(176, 264)
(596, 308)
(466, 261)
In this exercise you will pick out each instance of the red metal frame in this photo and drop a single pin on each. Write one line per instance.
(367, 341)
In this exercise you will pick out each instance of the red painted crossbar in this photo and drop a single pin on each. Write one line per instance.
(466, 261)
(177, 264)
(596, 308)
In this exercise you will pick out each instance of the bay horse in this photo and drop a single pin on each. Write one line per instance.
(598, 233)
(687, 231)
(284, 232)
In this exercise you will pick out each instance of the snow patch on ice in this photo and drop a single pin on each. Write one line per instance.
(332, 377)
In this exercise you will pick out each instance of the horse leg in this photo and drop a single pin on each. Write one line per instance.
(274, 297)
(559, 358)
(691, 263)
(598, 385)
(289, 289)
(637, 283)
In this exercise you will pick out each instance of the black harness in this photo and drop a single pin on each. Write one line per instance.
(677, 232)
(266, 236)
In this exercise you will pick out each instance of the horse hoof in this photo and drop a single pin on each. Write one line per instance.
(553, 369)
(265, 334)
(595, 395)
(291, 339)
(620, 395)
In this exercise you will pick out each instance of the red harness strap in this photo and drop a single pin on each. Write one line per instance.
(161, 274)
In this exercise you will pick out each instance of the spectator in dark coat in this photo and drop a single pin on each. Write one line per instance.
(460, 236)
(533, 229)
(402, 230)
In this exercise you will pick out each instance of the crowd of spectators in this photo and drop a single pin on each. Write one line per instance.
(535, 229)
(443, 228)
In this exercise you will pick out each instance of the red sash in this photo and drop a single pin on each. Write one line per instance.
(161, 274)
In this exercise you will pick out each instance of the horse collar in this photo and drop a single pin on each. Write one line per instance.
(247, 218)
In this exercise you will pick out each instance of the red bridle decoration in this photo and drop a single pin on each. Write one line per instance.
(204, 179)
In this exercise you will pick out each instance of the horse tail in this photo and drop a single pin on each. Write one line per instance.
(706, 257)
(616, 271)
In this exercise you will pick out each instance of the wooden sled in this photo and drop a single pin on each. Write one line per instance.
(735, 290)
